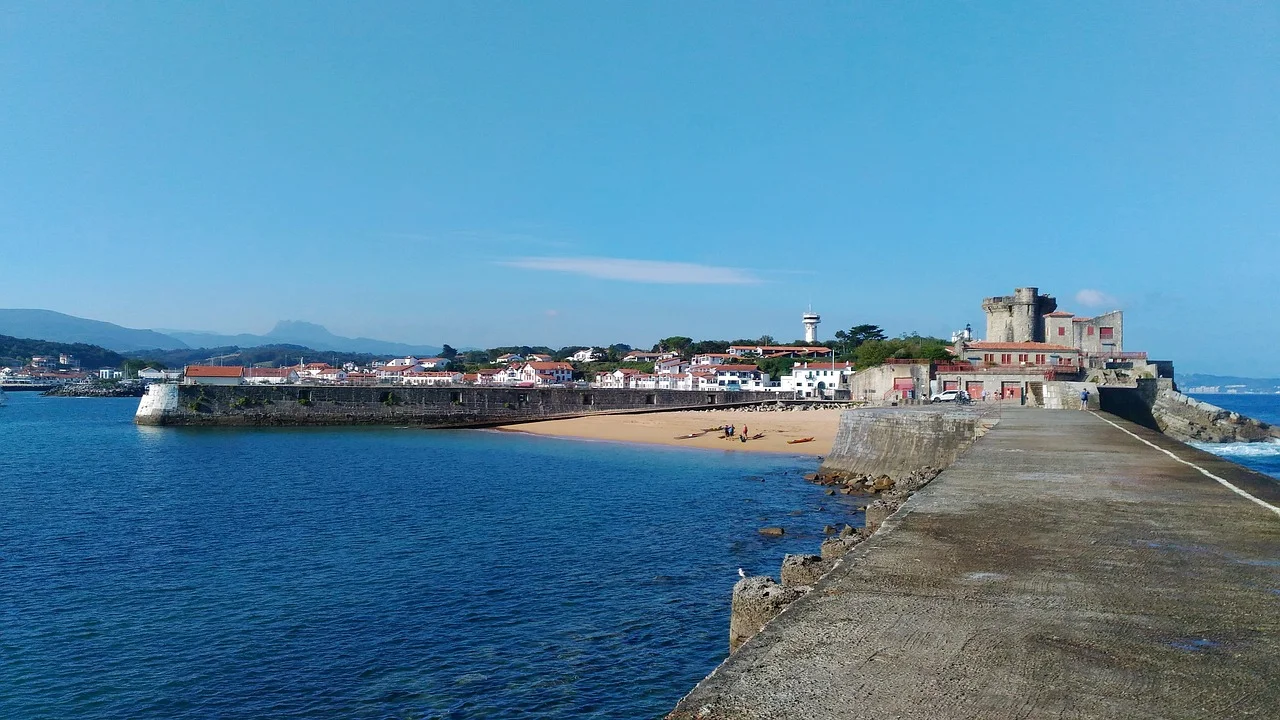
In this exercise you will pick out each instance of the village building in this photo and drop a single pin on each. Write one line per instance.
(817, 380)
(586, 355)
(213, 375)
(736, 377)
(539, 357)
(157, 375)
(270, 376)
(432, 377)
(671, 366)
(546, 373)
(774, 351)
(704, 359)
(618, 379)
(509, 358)
(639, 356)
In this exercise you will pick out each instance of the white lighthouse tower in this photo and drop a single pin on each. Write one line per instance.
(811, 320)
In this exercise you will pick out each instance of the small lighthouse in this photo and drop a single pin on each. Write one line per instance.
(811, 320)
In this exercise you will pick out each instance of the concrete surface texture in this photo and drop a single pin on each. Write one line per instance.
(1060, 569)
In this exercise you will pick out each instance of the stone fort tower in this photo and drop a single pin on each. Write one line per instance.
(1018, 317)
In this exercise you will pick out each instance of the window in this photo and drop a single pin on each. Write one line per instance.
(1022, 357)
(1006, 359)
(1062, 330)
(1106, 333)
(650, 399)
(1090, 329)
(1039, 359)
(588, 399)
(989, 359)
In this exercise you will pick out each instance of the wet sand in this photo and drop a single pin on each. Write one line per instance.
(663, 429)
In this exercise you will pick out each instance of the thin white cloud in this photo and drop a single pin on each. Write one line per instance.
(1095, 298)
(641, 271)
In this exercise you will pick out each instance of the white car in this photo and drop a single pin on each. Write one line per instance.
(946, 396)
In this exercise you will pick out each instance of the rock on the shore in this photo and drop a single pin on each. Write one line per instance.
(772, 531)
(802, 570)
(756, 600)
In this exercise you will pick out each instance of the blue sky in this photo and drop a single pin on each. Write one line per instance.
(567, 173)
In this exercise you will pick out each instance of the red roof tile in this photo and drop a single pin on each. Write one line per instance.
(213, 371)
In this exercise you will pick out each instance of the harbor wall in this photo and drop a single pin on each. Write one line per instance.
(436, 407)
(899, 441)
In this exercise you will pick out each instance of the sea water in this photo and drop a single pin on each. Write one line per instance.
(1263, 457)
(370, 573)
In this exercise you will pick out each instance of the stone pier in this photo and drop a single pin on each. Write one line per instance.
(1064, 566)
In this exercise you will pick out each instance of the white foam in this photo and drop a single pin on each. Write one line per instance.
(1270, 448)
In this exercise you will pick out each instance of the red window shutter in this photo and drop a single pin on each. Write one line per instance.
(1090, 329)
(1062, 331)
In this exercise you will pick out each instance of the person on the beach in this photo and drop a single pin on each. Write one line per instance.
(1084, 399)
(744, 431)
(984, 396)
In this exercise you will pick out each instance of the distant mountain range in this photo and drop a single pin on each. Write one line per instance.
(58, 327)
(1227, 383)
(295, 332)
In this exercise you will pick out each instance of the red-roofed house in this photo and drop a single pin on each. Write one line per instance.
(546, 373)
(213, 375)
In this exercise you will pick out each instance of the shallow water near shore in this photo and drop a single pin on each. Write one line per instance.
(388, 573)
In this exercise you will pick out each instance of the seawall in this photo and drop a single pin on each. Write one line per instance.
(898, 441)
(1157, 405)
(433, 407)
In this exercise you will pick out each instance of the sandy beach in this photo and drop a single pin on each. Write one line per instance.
(664, 428)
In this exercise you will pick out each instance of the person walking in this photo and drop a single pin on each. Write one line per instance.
(1084, 399)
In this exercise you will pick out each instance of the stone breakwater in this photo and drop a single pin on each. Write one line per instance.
(885, 455)
(1157, 405)
(85, 390)
(428, 407)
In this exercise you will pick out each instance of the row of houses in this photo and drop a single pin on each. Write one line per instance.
(398, 372)
(804, 380)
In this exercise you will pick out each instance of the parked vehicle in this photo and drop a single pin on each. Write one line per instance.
(946, 396)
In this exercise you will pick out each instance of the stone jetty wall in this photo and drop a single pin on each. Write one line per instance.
(1156, 404)
(899, 441)
(435, 407)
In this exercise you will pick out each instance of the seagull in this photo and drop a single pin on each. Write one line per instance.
(742, 573)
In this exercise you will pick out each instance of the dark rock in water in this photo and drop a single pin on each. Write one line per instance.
(831, 492)
(812, 477)
(829, 530)
(772, 531)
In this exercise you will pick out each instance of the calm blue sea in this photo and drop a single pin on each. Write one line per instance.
(1263, 457)
(369, 573)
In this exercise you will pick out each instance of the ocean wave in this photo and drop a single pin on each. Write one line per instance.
(1269, 448)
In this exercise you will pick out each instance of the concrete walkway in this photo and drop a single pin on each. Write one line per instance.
(1060, 569)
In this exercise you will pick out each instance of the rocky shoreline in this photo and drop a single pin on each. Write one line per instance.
(757, 599)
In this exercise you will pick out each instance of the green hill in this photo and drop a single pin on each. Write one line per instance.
(15, 352)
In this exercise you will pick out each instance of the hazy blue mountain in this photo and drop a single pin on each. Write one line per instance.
(294, 332)
(57, 327)
(1226, 382)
